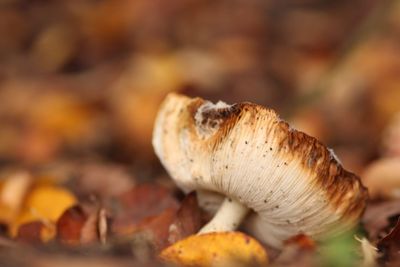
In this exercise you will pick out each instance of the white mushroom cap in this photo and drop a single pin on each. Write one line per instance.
(291, 181)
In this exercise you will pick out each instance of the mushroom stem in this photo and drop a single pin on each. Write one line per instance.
(228, 217)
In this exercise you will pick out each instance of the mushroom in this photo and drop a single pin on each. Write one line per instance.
(244, 152)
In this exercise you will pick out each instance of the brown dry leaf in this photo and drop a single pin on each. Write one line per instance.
(390, 244)
(141, 202)
(188, 219)
(35, 232)
(45, 203)
(216, 249)
(377, 217)
(70, 224)
(30, 232)
(172, 224)
(158, 227)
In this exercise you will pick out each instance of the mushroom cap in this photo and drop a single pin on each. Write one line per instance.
(292, 182)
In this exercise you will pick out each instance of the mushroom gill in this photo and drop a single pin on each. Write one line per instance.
(290, 181)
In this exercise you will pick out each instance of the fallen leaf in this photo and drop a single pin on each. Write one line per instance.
(158, 227)
(35, 232)
(44, 203)
(376, 218)
(141, 202)
(188, 219)
(390, 244)
(70, 224)
(30, 232)
(172, 224)
(216, 249)
(12, 195)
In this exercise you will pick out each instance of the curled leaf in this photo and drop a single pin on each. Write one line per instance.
(216, 249)
(70, 224)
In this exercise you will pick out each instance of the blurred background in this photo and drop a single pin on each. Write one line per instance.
(81, 81)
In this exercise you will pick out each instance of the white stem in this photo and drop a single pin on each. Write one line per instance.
(228, 217)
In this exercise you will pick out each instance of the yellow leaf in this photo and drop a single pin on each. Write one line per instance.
(12, 195)
(63, 115)
(48, 232)
(44, 203)
(216, 249)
